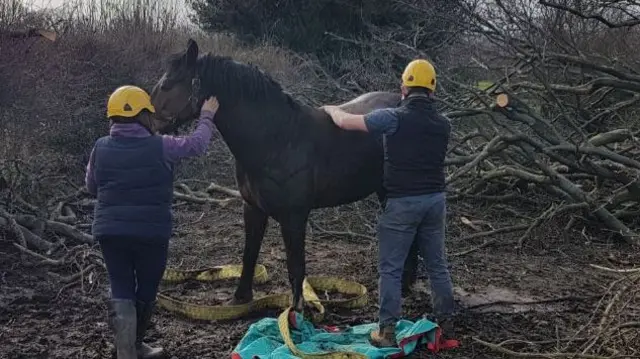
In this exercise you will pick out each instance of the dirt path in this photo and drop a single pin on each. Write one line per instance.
(39, 320)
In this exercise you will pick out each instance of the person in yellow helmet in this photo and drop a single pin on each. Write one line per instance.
(130, 171)
(416, 137)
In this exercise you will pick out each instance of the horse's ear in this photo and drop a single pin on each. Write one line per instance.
(192, 52)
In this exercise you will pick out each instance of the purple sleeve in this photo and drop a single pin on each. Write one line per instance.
(195, 144)
(89, 179)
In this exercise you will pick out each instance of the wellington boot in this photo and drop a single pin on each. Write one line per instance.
(122, 319)
(145, 351)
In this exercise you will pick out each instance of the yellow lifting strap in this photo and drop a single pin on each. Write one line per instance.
(283, 324)
(356, 291)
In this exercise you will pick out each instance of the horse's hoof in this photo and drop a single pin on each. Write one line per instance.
(308, 311)
(310, 307)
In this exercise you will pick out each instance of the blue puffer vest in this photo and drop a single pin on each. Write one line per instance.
(135, 188)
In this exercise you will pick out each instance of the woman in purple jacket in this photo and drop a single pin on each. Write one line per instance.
(130, 171)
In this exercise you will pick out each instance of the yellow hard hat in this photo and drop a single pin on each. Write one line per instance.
(419, 73)
(128, 101)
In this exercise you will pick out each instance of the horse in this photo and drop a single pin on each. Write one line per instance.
(290, 158)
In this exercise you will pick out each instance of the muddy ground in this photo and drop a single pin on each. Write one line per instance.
(43, 318)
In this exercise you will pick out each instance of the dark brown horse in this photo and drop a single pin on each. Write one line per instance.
(290, 158)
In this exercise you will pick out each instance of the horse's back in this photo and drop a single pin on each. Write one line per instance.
(323, 165)
(370, 101)
(348, 164)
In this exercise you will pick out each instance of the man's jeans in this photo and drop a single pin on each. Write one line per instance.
(404, 219)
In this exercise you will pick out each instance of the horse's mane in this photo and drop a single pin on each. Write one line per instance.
(234, 81)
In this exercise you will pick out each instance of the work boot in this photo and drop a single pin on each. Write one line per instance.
(445, 322)
(444, 310)
(447, 327)
(384, 337)
(122, 319)
(144, 311)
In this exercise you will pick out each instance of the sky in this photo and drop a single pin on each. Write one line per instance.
(57, 3)
(46, 3)
(43, 4)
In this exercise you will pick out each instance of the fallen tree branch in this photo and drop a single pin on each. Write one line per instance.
(217, 188)
(44, 259)
(68, 231)
(598, 17)
(488, 242)
(30, 221)
(74, 277)
(627, 271)
(618, 135)
(202, 200)
(602, 325)
(348, 233)
(585, 89)
(553, 177)
(490, 147)
(26, 236)
(548, 214)
(570, 298)
(512, 353)
(597, 151)
(513, 228)
(62, 213)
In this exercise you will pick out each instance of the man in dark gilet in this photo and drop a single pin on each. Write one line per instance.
(416, 137)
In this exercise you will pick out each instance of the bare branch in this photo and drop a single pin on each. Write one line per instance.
(600, 18)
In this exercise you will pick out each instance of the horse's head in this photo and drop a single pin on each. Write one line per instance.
(176, 96)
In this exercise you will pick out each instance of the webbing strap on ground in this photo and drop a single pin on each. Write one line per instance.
(275, 301)
(285, 332)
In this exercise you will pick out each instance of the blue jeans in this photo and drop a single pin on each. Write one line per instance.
(135, 266)
(421, 218)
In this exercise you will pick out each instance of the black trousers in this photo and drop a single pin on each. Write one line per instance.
(135, 266)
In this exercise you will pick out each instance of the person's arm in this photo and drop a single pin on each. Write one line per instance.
(346, 121)
(194, 144)
(378, 121)
(90, 179)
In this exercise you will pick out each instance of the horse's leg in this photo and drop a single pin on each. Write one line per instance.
(410, 272)
(293, 226)
(255, 223)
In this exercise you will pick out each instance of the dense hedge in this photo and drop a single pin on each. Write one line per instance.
(303, 25)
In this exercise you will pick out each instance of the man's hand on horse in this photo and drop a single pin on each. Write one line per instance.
(344, 120)
(329, 108)
(211, 104)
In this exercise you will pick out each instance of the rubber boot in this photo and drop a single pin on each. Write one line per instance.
(144, 311)
(122, 319)
(384, 337)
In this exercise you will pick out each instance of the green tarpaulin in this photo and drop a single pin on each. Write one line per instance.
(264, 340)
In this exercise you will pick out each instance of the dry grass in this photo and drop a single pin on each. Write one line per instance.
(53, 95)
